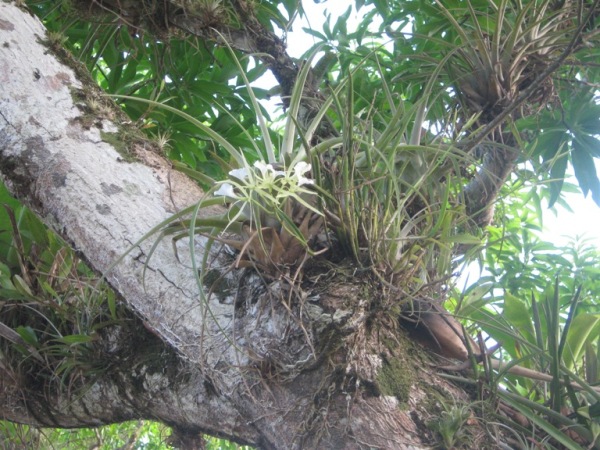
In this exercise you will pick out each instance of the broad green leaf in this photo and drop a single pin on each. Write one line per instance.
(584, 328)
(585, 171)
(557, 177)
(462, 238)
(474, 299)
(517, 313)
(315, 33)
(29, 223)
(589, 143)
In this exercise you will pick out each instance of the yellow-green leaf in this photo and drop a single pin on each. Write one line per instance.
(584, 328)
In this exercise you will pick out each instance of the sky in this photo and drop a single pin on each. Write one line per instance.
(560, 225)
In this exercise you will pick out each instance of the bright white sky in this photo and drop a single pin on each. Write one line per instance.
(584, 221)
(559, 228)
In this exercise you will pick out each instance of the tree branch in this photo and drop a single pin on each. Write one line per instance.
(141, 378)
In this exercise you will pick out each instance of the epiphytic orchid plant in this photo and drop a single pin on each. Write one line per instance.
(278, 212)
(273, 212)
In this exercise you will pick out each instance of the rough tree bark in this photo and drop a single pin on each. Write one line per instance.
(251, 365)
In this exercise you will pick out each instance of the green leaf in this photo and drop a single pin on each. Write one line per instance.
(550, 146)
(589, 143)
(5, 276)
(474, 299)
(21, 286)
(30, 223)
(315, 33)
(75, 339)
(518, 315)
(462, 238)
(339, 29)
(585, 171)
(528, 408)
(592, 361)
(584, 328)
(557, 179)
(28, 335)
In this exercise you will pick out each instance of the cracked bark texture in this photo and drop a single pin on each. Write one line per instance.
(249, 366)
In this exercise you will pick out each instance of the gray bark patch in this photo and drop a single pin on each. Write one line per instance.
(6, 25)
(103, 209)
(110, 189)
(59, 179)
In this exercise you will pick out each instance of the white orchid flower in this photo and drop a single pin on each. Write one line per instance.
(226, 190)
(299, 170)
(267, 171)
(263, 190)
(240, 174)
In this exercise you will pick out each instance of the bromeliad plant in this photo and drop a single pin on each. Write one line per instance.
(383, 195)
(502, 48)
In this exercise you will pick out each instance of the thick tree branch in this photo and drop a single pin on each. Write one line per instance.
(213, 23)
(141, 379)
(253, 39)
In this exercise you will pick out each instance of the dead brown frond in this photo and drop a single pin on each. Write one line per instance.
(275, 249)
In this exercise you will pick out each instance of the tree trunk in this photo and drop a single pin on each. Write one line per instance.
(270, 363)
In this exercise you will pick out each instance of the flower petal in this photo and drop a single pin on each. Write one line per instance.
(240, 174)
(226, 190)
(264, 168)
(301, 168)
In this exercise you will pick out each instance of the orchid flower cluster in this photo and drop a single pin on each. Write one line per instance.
(262, 190)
